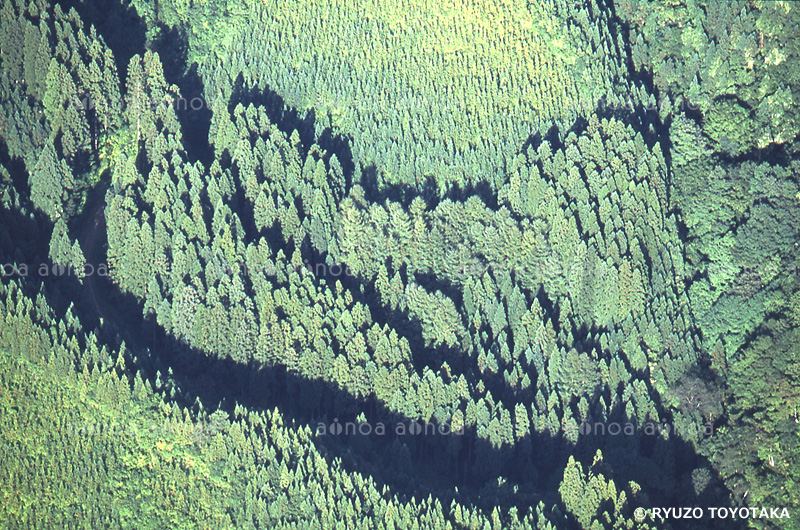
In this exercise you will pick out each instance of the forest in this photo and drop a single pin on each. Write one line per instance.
(353, 264)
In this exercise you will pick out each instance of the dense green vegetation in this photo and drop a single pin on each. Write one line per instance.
(734, 62)
(735, 182)
(506, 220)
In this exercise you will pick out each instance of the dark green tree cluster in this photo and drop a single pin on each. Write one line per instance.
(59, 105)
(744, 243)
(736, 63)
(24, 63)
(742, 219)
(755, 451)
(60, 100)
(65, 253)
(728, 74)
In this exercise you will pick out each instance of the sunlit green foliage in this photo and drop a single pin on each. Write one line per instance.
(756, 451)
(743, 224)
(593, 500)
(97, 444)
(59, 100)
(455, 227)
(735, 62)
(742, 217)
(424, 90)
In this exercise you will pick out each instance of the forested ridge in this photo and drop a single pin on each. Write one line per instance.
(507, 222)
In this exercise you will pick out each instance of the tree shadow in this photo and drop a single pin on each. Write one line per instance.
(194, 110)
(121, 27)
(289, 120)
(476, 462)
(416, 460)
(419, 465)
